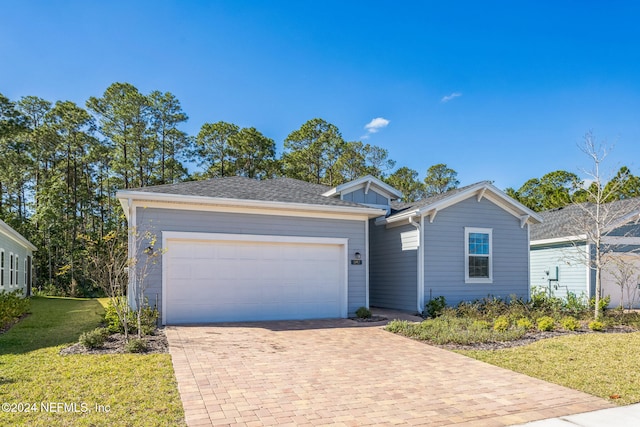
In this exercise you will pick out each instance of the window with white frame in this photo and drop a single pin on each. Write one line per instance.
(17, 267)
(1, 267)
(25, 272)
(10, 269)
(478, 253)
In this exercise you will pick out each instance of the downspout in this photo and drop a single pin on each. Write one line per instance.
(420, 261)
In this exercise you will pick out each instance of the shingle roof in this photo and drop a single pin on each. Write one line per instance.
(565, 221)
(287, 190)
(397, 208)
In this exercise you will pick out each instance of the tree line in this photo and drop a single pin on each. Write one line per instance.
(61, 165)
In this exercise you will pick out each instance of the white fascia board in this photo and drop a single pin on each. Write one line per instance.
(15, 236)
(141, 196)
(563, 239)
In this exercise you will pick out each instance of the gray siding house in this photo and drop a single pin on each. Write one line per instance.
(563, 252)
(238, 249)
(465, 244)
(16, 255)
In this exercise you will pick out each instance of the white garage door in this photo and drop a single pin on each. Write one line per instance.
(229, 278)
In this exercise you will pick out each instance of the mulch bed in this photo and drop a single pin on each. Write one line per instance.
(369, 320)
(115, 344)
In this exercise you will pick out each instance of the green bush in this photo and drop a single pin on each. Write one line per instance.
(149, 317)
(149, 320)
(136, 345)
(501, 324)
(363, 313)
(435, 306)
(604, 302)
(596, 325)
(576, 305)
(94, 339)
(569, 323)
(12, 306)
(545, 323)
(524, 323)
(481, 324)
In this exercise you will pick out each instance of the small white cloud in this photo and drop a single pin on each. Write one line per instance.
(376, 124)
(450, 97)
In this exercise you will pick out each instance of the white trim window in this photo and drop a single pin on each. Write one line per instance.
(17, 269)
(2, 267)
(478, 255)
(25, 272)
(10, 268)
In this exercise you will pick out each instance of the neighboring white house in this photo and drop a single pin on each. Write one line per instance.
(16, 255)
(562, 255)
(237, 249)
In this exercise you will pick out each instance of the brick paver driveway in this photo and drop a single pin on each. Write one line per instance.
(336, 372)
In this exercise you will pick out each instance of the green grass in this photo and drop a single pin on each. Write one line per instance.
(138, 390)
(604, 365)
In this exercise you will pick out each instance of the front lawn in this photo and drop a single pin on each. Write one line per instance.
(40, 387)
(602, 364)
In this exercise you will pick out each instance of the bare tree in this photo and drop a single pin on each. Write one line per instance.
(143, 255)
(109, 261)
(596, 217)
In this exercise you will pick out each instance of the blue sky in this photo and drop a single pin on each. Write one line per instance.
(497, 90)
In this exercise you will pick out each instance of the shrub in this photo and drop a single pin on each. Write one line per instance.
(94, 339)
(576, 305)
(453, 330)
(596, 325)
(501, 324)
(112, 319)
(524, 323)
(136, 345)
(148, 318)
(481, 324)
(604, 302)
(545, 323)
(569, 323)
(363, 313)
(12, 306)
(435, 306)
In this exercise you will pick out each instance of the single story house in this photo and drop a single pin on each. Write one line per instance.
(563, 252)
(16, 255)
(237, 249)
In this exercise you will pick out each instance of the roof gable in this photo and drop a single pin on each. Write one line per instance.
(430, 206)
(367, 182)
(6, 230)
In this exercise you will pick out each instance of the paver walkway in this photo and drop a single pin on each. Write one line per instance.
(338, 372)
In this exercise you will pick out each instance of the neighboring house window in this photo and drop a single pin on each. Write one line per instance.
(17, 265)
(10, 269)
(478, 255)
(25, 272)
(1, 267)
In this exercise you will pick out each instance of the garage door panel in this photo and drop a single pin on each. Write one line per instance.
(216, 280)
